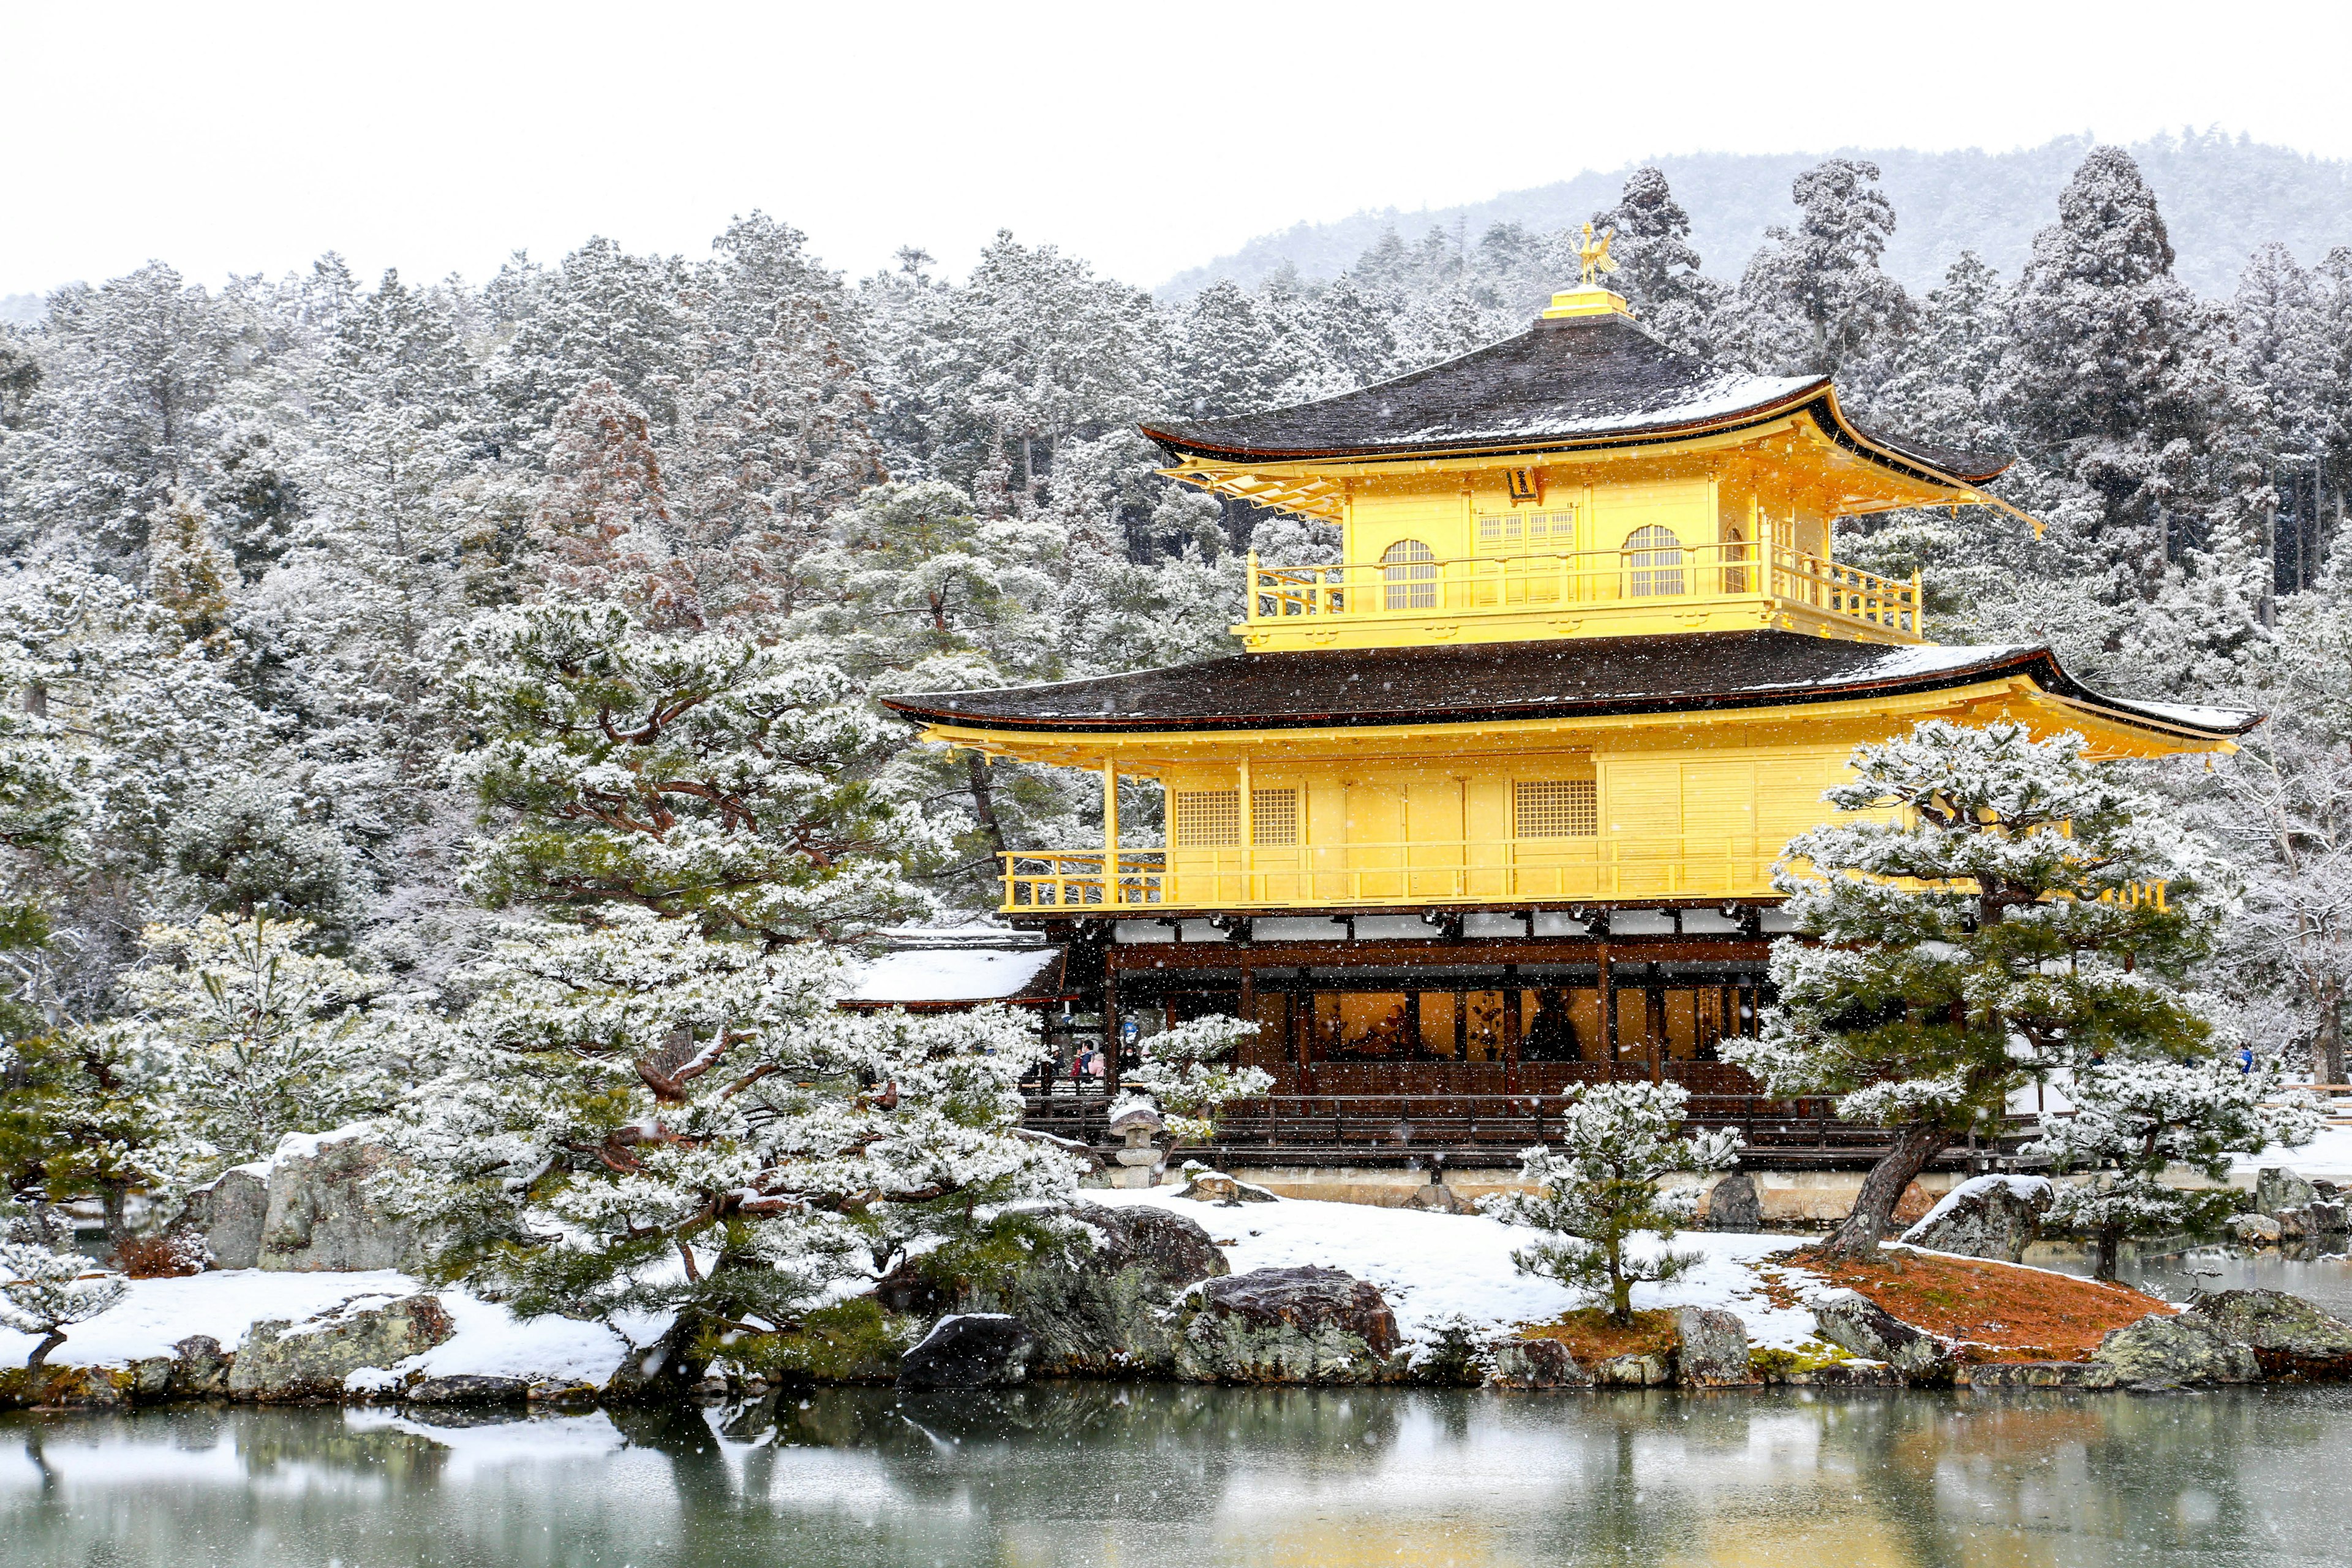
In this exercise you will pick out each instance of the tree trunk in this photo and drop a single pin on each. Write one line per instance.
(2106, 1250)
(41, 1351)
(983, 800)
(1860, 1231)
(2330, 1054)
(111, 1196)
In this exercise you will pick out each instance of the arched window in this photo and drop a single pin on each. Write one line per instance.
(1653, 560)
(1409, 570)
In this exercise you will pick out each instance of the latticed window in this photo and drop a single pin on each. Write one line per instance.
(1555, 809)
(1654, 557)
(1408, 570)
(1208, 817)
(1516, 532)
(1274, 815)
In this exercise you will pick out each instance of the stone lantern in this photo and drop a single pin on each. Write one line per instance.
(1137, 1128)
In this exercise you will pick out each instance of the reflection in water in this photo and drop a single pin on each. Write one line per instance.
(2177, 1267)
(1171, 1475)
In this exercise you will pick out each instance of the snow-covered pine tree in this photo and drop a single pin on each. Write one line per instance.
(2113, 380)
(706, 775)
(1813, 300)
(1186, 1078)
(236, 1036)
(2134, 1119)
(639, 1117)
(46, 1292)
(1599, 1189)
(1997, 914)
(1657, 270)
(604, 522)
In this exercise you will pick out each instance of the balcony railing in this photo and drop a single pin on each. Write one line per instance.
(1620, 582)
(1713, 865)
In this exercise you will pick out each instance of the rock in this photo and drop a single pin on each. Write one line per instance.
(1845, 1374)
(2276, 1188)
(322, 1217)
(1436, 1197)
(1714, 1351)
(1286, 1325)
(2256, 1230)
(971, 1350)
(2289, 1336)
(1853, 1322)
(309, 1360)
(467, 1388)
(1734, 1205)
(2304, 1221)
(1643, 1371)
(1986, 1216)
(664, 1372)
(229, 1213)
(1095, 1292)
(200, 1368)
(2039, 1374)
(1533, 1365)
(2163, 1351)
(1216, 1187)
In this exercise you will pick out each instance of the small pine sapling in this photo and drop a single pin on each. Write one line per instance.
(44, 1292)
(1600, 1186)
(2133, 1119)
(1185, 1078)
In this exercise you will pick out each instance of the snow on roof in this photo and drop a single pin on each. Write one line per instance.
(949, 974)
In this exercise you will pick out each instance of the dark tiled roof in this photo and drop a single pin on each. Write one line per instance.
(1585, 380)
(1678, 672)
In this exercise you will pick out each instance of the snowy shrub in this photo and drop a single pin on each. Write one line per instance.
(1600, 1188)
(46, 1292)
(2134, 1119)
(1185, 1078)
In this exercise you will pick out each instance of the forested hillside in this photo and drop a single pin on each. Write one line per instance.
(481, 675)
(2221, 195)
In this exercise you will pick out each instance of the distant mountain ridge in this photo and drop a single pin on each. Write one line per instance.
(2221, 197)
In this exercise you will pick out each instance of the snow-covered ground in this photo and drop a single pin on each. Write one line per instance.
(1433, 1268)
(2329, 1155)
(491, 1342)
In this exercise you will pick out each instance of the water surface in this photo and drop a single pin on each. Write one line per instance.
(1184, 1476)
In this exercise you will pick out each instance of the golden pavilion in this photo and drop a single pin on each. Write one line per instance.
(1488, 808)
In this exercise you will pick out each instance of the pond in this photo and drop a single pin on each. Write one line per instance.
(1182, 1476)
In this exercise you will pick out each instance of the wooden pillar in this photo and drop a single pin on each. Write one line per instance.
(1111, 832)
(1654, 1024)
(1608, 1011)
(1510, 1028)
(1249, 1010)
(1249, 837)
(1111, 1025)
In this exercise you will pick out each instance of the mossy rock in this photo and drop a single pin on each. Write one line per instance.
(851, 1342)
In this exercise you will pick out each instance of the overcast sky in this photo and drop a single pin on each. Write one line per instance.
(228, 136)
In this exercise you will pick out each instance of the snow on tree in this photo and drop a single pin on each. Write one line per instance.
(251, 854)
(2133, 1119)
(2113, 381)
(1987, 907)
(1657, 270)
(1599, 1189)
(44, 1292)
(604, 519)
(237, 1035)
(1185, 1077)
(188, 574)
(709, 775)
(1813, 300)
(642, 1118)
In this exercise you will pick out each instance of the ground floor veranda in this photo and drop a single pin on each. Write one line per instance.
(1399, 1041)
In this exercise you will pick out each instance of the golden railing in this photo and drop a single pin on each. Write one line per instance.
(1627, 581)
(1331, 876)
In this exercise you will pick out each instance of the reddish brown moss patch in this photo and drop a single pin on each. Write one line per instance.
(1591, 1338)
(1998, 1312)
